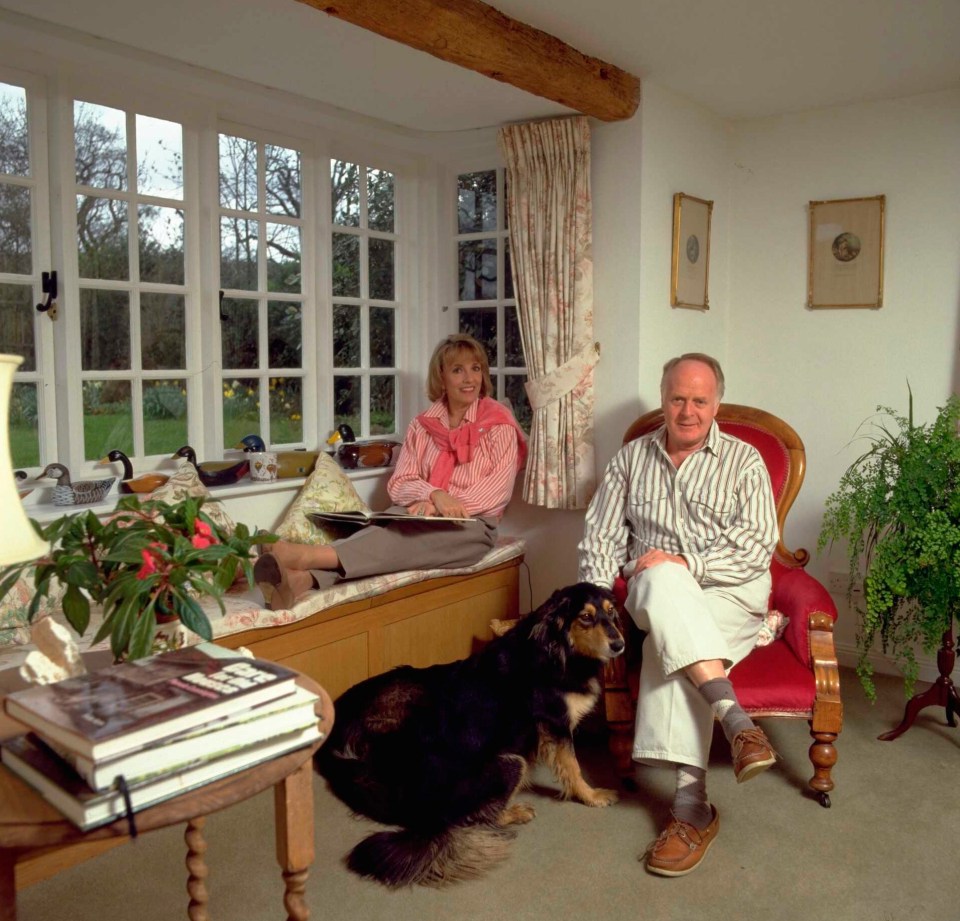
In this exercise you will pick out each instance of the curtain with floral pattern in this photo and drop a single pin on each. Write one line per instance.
(550, 218)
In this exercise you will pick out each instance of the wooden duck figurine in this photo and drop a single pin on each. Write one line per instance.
(351, 454)
(289, 463)
(68, 493)
(20, 476)
(215, 473)
(146, 482)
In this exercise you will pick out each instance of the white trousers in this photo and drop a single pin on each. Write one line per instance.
(685, 623)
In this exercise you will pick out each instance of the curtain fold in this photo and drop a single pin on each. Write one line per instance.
(550, 218)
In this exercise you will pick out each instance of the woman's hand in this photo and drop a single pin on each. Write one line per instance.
(424, 509)
(447, 506)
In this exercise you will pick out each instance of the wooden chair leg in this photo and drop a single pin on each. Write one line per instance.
(823, 756)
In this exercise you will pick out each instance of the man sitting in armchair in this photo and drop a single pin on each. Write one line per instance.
(687, 515)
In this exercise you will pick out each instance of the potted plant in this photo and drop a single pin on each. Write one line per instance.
(147, 562)
(898, 509)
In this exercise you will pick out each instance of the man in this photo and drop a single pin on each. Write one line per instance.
(687, 515)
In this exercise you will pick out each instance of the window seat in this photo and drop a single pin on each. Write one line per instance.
(342, 634)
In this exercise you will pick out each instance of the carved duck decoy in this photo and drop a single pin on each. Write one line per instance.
(81, 493)
(146, 482)
(20, 476)
(352, 454)
(215, 473)
(289, 463)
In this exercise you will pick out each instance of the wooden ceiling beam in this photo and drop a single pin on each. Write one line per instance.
(477, 36)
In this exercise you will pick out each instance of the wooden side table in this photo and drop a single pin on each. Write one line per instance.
(28, 824)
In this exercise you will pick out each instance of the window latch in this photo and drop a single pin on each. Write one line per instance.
(48, 285)
(223, 316)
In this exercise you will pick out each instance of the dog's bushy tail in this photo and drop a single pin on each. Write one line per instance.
(404, 857)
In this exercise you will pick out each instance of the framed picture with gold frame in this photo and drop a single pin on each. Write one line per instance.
(845, 266)
(690, 262)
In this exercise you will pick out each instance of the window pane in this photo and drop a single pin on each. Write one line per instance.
(238, 254)
(381, 270)
(346, 401)
(105, 332)
(107, 418)
(24, 431)
(477, 202)
(346, 336)
(241, 409)
(478, 270)
(283, 258)
(383, 411)
(508, 271)
(380, 200)
(286, 410)
(102, 231)
(382, 337)
(284, 334)
(481, 323)
(161, 244)
(17, 333)
(16, 246)
(159, 157)
(517, 395)
(345, 193)
(238, 173)
(512, 344)
(346, 265)
(239, 334)
(283, 180)
(100, 135)
(164, 416)
(162, 333)
(14, 137)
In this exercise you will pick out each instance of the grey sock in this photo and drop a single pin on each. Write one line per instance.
(690, 802)
(719, 693)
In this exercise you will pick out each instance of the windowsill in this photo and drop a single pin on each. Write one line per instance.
(39, 505)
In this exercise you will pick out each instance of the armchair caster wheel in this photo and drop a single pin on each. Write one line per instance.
(824, 800)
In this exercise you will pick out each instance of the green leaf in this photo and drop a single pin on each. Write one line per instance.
(76, 608)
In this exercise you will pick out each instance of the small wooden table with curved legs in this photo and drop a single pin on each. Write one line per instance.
(28, 824)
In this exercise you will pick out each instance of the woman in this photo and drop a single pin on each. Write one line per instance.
(459, 460)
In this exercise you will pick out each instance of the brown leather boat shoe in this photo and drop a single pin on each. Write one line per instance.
(752, 754)
(272, 580)
(681, 846)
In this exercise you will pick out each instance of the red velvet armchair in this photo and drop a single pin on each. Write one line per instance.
(796, 675)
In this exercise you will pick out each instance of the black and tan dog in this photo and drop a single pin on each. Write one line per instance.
(441, 751)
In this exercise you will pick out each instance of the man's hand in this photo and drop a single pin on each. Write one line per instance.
(649, 559)
(424, 509)
(447, 506)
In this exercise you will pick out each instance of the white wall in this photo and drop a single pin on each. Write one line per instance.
(825, 371)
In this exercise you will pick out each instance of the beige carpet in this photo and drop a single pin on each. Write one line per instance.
(885, 851)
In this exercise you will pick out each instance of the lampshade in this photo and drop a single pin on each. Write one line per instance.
(18, 540)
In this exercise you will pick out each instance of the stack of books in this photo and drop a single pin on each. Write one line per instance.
(129, 736)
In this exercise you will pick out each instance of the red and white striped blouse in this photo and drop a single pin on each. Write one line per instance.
(484, 485)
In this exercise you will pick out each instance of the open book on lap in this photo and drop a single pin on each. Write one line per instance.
(362, 519)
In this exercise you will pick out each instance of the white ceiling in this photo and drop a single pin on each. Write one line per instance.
(738, 58)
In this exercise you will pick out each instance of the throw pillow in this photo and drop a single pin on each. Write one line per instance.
(14, 608)
(774, 623)
(327, 489)
(185, 483)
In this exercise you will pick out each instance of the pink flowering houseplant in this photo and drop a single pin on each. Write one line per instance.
(147, 562)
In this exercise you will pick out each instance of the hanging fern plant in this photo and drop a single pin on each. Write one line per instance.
(898, 509)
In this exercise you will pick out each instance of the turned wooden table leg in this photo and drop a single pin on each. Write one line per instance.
(8, 885)
(942, 693)
(293, 803)
(197, 869)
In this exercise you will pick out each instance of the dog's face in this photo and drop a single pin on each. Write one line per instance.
(588, 615)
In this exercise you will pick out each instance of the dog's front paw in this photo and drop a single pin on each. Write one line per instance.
(599, 797)
(517, 814)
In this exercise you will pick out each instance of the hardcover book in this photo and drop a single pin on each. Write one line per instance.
(121, 708)
(362, 519)
(211, 740)
(64, 789)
